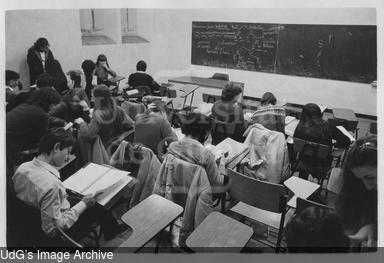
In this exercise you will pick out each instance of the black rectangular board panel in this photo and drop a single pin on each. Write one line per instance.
(338, 52)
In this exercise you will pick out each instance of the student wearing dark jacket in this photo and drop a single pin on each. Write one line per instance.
(228, 111)
(314, 129)
(140, 78)
(75, 104)
(38, 57)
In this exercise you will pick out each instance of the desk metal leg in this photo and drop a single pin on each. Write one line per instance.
(185, 100)
(190, 105)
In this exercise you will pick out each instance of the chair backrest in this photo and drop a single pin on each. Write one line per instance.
(209, 98)
(302, 204)
(25, 222)
(260, 194)
(223, 127)
(314, 150)
(220, 76)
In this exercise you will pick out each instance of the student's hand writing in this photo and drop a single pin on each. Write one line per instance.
(89, 200)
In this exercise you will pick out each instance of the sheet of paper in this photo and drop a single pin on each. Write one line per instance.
(85, 177)
(231, 146)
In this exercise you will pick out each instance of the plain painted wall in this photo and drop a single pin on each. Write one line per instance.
(169, 52)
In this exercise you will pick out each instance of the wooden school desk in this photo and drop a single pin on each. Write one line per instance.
(301, 188)
(219, 232)
(147, 219)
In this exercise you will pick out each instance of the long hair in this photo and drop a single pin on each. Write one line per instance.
(100, 58)
(67, 98)
(356, 204)
(106, 110)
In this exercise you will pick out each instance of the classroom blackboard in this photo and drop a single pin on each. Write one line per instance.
(339, 52)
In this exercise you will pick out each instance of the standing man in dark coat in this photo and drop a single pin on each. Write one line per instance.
(39, 56)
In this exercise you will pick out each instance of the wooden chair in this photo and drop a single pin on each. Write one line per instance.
(260, 201)
(27, 232)
(220, 76)
(310, 157)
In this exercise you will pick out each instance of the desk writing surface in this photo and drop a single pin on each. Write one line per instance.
(205, 82)
(220, 232)
(344, 114)
(301, 188)
(148, 218)
(188, 89)
(116, 79)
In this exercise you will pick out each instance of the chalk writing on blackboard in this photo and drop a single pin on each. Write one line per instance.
(339, 52)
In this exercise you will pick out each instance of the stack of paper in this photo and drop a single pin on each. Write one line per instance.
(230, 148)
(96, 178)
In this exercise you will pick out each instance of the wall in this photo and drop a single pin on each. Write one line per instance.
(175, 29)
(169, 51)
(61, 28)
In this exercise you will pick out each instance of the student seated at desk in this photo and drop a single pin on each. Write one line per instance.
(314, 129)
(43, 81)
(140, 78)
(102, 71)
(357, 201)
(316, 230)
(108, 122)
(196, 128)
(228, 111)
(38, 184)
(269, 115)
(152, 128)
(74, 104)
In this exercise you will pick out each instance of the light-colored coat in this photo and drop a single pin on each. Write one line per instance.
(271, 147)
(185, 184)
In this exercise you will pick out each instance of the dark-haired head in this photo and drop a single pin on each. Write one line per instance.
(268, 99)
(41, 44)
(141, 66)
(310, 111)
(44, 80)
(101, 58)
(231, 91)
(316, 230)
(196, 125)
(11, 78)
(357, 201)
(45, 98)
(56, 144)
(88, 66)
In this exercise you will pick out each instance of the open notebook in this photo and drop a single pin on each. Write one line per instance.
(301, 188)
(230, 148)
(95, 178)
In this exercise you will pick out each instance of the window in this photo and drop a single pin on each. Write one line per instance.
(129, 31)
(94, 26)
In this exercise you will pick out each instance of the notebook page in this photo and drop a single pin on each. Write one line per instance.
(85, 177)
